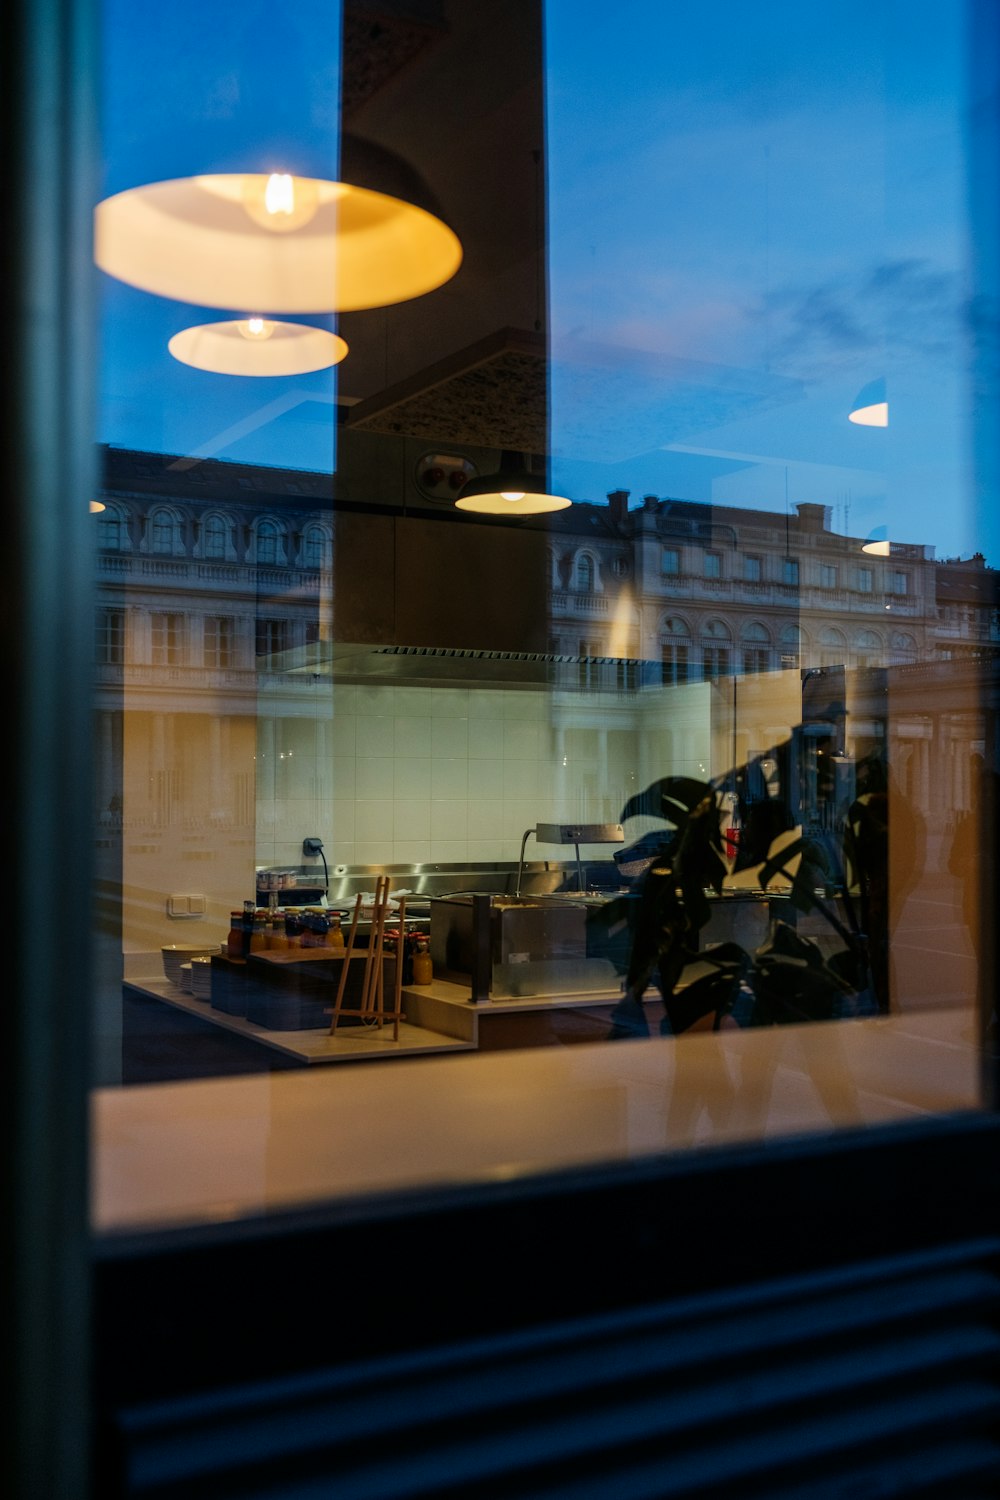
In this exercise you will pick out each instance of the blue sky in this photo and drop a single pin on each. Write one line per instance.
(753, 211)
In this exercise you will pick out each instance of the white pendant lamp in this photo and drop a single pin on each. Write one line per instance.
(512, 491)
(278, 242)
(257, 347)
(871, 406)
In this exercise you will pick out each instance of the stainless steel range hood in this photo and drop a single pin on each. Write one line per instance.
(444, 666)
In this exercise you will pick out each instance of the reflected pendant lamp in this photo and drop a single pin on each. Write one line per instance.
(258, 347)
(877, 543)
(512, 491)
(871, 405)
(278, 242)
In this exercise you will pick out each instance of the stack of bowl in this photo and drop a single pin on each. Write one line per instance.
(200, 977)
(176, 954)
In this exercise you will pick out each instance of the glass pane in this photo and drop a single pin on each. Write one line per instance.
(642, 805)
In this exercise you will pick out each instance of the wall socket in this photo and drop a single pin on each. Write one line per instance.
(312, 846)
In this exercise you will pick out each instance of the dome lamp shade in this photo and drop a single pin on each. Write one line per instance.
(514, 490)
(258, 347)
(871, 405)
(277, 242)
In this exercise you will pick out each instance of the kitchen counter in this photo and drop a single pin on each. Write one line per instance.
(206, 1149)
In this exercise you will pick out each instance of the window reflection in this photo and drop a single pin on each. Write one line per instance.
(298, 635)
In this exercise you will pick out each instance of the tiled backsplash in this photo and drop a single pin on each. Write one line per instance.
(416, 775)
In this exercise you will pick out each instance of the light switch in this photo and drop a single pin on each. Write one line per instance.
(186, 906)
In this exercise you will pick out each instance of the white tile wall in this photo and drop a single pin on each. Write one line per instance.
(449, 774)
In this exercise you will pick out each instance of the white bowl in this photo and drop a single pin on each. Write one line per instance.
(175, 954)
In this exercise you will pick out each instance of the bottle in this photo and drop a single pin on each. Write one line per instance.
(335, 935)
(258, 937)
(277, 938)
(423, 968)
(234, 941)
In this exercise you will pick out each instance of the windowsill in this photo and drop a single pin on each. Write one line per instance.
(177, 1154)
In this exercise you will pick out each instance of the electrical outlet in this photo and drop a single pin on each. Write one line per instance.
(312, 846)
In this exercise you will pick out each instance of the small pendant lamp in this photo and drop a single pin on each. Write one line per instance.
(512, 491)
(871, 405)
(281, 243)
(257, 346)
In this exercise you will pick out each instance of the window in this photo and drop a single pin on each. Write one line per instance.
(214, 543)
(111, 530)
(866, 581)
(268, 542)
(827, 576)
(273, 637)
(670, 562)
(316, 550)
(218, 641)
(752, 569)
(626, 676)
(675, 646)
(832, 647)
(790, 571)
(899, 582)
(109, 639)
(790, 647)
(585, 572)
(713, 565)
(589, 673)
(715, 656)
(755, 649)
(868, 649)
(167, 639)
(165, 534)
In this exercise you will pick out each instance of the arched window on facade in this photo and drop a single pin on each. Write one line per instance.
(166, 538)
(868, 649)
(755, 648)
(832, 647)
(790, 647)
(112, 529)
(268, 543)
(716, 651)
(902, 648)
(584, 574)
(317, 549)
(214, 538)
(675, 651)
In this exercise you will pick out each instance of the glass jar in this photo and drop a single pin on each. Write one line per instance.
(423, 968)
(234, 941)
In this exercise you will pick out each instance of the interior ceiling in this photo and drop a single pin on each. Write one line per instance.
(491, 395)
(470, 364)
(379, 40)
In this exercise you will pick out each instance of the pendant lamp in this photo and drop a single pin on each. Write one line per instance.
(512, 491)
(257, 346)
(877, 543)
(281, 243)
(871, 405)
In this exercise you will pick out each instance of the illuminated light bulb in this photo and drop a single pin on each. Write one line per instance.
(512, 495)
(279, 195)
(255, 328)
(280, 202)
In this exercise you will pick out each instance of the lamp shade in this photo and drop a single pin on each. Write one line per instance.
(257, 346)
(871, 405)
(512, 491)
(279, 243)
(877, 543)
